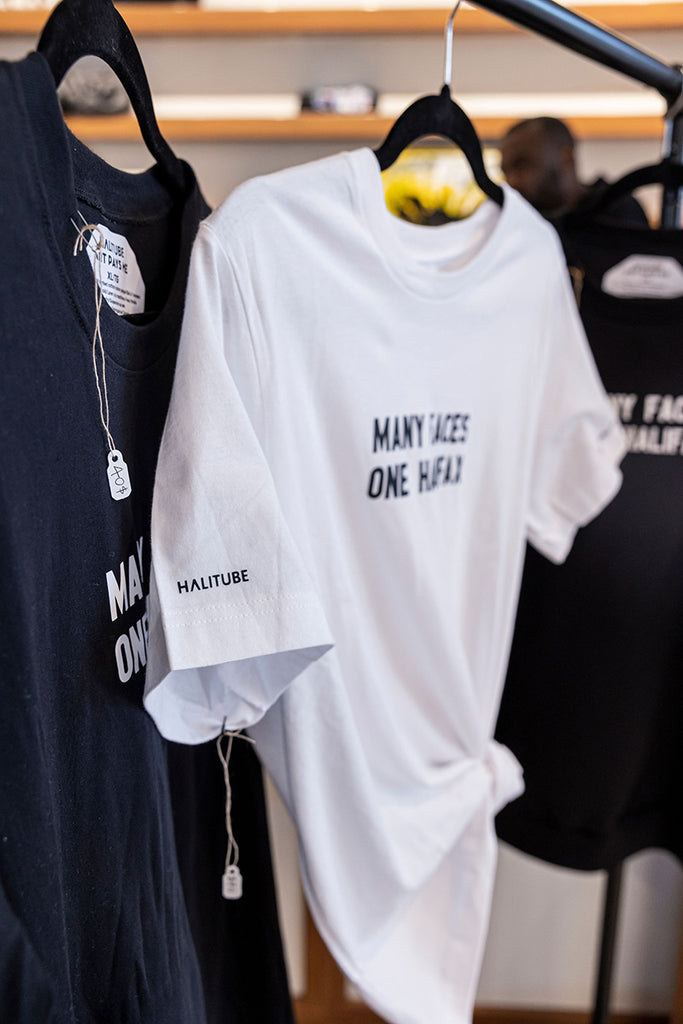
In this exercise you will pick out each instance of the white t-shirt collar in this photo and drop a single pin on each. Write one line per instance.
(430, 261)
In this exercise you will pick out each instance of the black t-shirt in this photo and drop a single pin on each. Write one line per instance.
(93, 926)
(592, 704)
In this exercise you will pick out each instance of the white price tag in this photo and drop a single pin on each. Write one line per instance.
(232, 883)
(118, 476)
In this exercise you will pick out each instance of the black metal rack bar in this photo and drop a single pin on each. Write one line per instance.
(608, 941)
(672, 150)
(569, 29)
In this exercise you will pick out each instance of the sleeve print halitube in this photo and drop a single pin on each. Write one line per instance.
(229, 589)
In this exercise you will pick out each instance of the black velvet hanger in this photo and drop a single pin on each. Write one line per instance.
(439, 115)
(79, 28)
(665, 173)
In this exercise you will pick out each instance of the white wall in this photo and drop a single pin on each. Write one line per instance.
(542, 942)
(544, 934)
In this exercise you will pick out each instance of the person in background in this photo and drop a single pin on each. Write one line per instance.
(538, 160)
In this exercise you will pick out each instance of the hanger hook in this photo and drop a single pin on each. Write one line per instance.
(448, 66)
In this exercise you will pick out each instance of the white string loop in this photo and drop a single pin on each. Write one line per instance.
(80, 242)
(232, 889)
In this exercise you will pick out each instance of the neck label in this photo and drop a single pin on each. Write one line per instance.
(645, 277)
(116, 268)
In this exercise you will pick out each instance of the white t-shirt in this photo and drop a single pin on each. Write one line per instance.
(370, 418)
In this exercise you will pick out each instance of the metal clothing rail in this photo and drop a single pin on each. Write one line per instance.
(569, 29)
(576, 33)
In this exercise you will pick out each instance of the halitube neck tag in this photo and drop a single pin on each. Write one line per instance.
(644, 276)
(117, 474)
(118, 271)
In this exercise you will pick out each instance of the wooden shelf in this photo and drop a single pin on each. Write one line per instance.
(183, 19)
(306, 127)
(330, 128)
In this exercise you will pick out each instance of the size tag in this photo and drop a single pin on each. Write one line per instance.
(645, 277)
(118, 271)
(232, 883)
(118, 476)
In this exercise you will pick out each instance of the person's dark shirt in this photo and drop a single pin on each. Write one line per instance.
(625, 210)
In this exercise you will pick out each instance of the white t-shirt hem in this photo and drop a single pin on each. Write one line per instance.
(220, 633)
(211, 668)
(181, 716)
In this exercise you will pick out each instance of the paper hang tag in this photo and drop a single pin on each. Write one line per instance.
(644, 276)
(118, 476)
(118, 272)
(232, 883)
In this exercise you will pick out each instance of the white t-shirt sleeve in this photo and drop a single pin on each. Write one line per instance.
(233, 614)
(579, 440)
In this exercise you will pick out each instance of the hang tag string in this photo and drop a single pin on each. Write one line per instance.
(232, 878)
(118, 476)
(79, 244)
